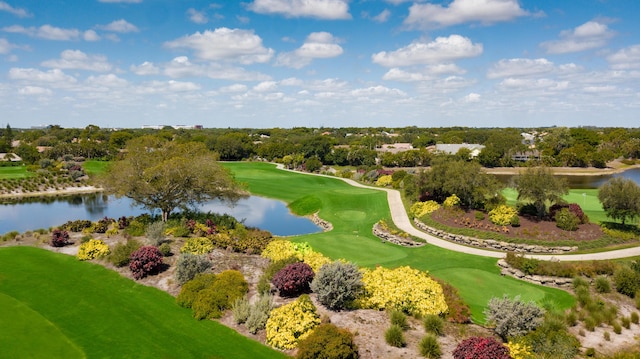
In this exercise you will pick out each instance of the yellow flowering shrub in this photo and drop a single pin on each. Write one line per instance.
(278, 250)
(419, 209)
(502, 215)
(291, 322)
(519, 351)
(404, 288)
(93, 248)
(197, 245)
(384, 181)
(315, 260)
(451, 201)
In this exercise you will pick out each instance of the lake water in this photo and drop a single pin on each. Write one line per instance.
(31, 214)
(583, 182)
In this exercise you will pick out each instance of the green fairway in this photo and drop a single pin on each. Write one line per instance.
(54, 306)
(93, 167)
(14, 172)
(354, 211)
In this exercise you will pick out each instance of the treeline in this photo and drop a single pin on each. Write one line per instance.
(361, 147)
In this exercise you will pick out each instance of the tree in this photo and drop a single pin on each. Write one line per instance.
(540, 186)
(620, 198)
(168, 175)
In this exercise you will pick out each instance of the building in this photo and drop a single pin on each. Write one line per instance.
(453, 148)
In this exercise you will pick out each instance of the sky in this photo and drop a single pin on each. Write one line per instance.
(320, 63)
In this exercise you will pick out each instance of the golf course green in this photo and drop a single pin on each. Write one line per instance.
(354, 211)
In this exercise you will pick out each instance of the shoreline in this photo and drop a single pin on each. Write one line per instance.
(564, 171)
(53, 193)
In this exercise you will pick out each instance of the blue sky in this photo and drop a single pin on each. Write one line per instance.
(312, 63)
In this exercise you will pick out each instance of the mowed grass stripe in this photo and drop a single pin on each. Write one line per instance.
(109, 316)
(354, 211)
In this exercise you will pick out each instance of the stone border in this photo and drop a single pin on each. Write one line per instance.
(325, 225)
(559, 282)
(384, 235)
(490, 243)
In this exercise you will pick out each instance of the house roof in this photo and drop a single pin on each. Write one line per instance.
(453, 148)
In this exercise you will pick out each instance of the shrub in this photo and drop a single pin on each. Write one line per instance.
(481, 348)
(433, 324)
(607, 336)
(502, 215)
(145, 261)
(190, 289)
(451, 201)
(291, 323)
(189, 265)
(566, 220)
(384, 181)
(102, 225)
(458, 311)
(515, 221)
(479, 216)
(293, 279)
(337, 284)
(264, 283)
(76, 226)
(259, 313)
(121, 253)
(155, 233)
(394, 336)
(617, 328)
(59, 238)
(580, 282)
(634, 317)
(197, 245)
(512, 317)
(214, 299)
(94, 248)
(241, 308)
(165, 249)
(398, 318)
(627, 281)
(403, 288)
(577, 210)
(135, 228)
(420, 209)
(278, 250)
(519, 350)
(549, 340)
(429, 347)
(602, 284)
(328, 341)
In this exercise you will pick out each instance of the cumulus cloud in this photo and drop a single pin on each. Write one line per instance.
(472, 97)
(6, 46)
(522, 84)
(145, 68)
(265, 86)
(442, 49)
(109, 80)
(520, 67)
(318, 45)
(181, 67)
(198, 17)
(90, 35)
(121, 26)
(463, 11)
(590, 35)
(46, 32)
(383, 16)
(627, 58)
(320, 9)
(428, 73)
(54, 76)
(234, 88)
(19, 12)
(225, 44)
(78, 60)
(34, 91)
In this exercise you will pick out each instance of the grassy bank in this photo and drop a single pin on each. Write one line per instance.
(14, 172)
(53, 306)
(354, 211)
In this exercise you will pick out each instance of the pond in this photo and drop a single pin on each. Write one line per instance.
(588, 181)
(45, 212)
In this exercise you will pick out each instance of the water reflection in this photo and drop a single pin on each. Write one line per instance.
(585, 182)
(45, 212)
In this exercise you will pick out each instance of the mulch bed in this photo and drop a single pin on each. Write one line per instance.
(530, 228)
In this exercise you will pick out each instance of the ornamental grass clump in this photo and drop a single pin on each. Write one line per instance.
(259, 313)
(404, 288)
(94, 248)
(394, 336)
(429, 347)
(291, 323)
(433, 324)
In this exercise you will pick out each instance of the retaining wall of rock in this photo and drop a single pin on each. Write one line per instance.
(490, 243)
(381, 233)
(559, 282)
(325, 225)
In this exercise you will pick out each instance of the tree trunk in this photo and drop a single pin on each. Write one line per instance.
(165, 215)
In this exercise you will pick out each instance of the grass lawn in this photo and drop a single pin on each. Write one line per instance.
(93, 167)
(14, 172)
(354, 211)
(54, 306)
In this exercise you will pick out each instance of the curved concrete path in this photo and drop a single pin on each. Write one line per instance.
(401, 219)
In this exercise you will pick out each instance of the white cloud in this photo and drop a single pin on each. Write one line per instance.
(145, 68)
(522, 84)
(90, 35)
(34, 91)
(121, 26)
(47, 32)
(181, 66)
(170, 86)
(54, 76)
(266, 86)
(234, 88)
(78, 60)
(599, 89)
(397, 2)
(6, 46)
(472, 97)
(198, 17)
(520, 67)
(442, 49)
(320, 9)
(110, 80)
(427, 74)
(627, 58)
(590, 35)
(463, 11)
(377, 91)
(318, 45)
(225, 44)
(19, 12)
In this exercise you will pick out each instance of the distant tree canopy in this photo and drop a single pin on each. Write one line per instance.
(620, 198)
(167, 175)
(539, 186)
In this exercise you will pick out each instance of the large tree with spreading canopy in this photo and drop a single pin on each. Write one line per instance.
(166, 175)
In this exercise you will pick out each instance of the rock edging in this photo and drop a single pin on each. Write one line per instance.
(490, 243)
(560, 282)
(325, 225)
(384, 235)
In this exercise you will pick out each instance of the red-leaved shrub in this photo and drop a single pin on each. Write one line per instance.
(144, 261)
(481, 348)
(293, 279)
(59, 238)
